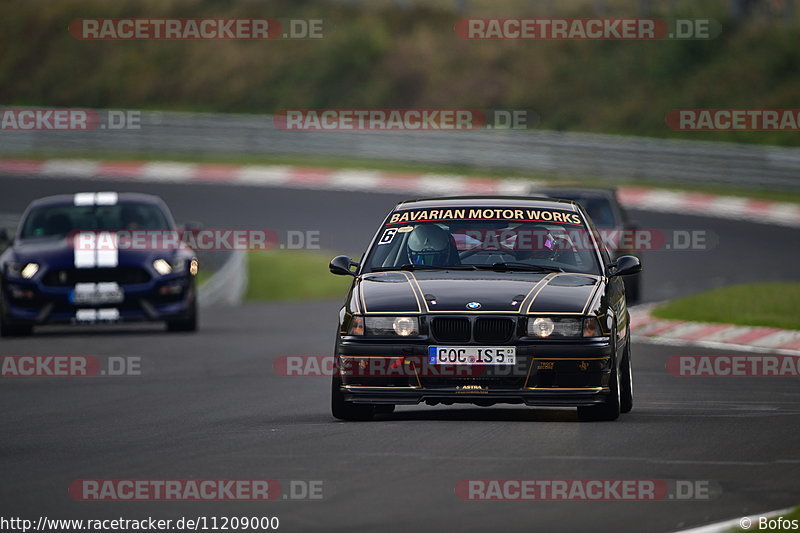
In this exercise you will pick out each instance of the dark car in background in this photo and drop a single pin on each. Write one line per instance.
(67, 264)
(484, 300)
(609, 217)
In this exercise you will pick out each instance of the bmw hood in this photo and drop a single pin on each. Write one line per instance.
(475, 292)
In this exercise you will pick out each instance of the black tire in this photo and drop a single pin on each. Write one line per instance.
(344, 410)
(185, 324)
(626, 381)
(9, 329)
(384, 408)
(607, 411)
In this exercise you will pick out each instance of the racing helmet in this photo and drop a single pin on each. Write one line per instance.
(429, 244)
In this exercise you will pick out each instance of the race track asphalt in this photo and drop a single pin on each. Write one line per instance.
(209, 405)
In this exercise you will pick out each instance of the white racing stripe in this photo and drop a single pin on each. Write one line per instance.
(84, 258)
(108, 252)
(108, 314)
(95, 250)
(96, 198)
(83, 198)
(93, 315)
(106, 198)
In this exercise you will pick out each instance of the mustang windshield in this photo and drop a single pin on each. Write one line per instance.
(60, 220)
(482, 238)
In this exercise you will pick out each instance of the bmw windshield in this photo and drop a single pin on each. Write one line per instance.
(484, 237)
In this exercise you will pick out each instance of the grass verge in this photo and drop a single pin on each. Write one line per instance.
(403, 167)
(292, 275)
(770, 304)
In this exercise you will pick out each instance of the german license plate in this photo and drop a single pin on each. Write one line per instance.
(472, 355)
(97, 293)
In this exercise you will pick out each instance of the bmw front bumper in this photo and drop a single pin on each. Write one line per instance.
(547, 373)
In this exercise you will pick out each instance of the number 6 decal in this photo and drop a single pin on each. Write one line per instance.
(388, 235)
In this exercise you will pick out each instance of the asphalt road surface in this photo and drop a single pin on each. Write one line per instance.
(209, 405)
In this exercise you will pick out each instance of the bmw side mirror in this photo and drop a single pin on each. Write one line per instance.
(341, 264)
(624, 266)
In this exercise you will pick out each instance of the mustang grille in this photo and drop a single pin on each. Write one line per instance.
(71, 276)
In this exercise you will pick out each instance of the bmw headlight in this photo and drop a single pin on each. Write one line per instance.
(22, 270)
(403, 326)
(561, 327)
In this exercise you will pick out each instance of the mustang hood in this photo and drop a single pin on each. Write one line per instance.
(59, 253)
(466, 292)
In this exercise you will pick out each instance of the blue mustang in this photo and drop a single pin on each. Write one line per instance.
(68, 264)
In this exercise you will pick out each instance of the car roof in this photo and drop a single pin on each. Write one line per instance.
(487, 201)
(62, 199)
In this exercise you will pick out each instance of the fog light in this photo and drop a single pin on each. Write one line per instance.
(541, 327)
(21, 294)
(174, 288)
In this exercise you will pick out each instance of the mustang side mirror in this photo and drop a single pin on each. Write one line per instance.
(341, 264)
(624, 266)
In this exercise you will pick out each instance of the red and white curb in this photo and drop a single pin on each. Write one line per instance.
(647, 328)
(650, 199)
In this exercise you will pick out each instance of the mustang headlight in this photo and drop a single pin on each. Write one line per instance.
(22, 270)
(403, 326)
(559, 327)
(164, 267)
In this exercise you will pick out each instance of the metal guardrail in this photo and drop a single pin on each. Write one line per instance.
(559, 153)
(228, 284)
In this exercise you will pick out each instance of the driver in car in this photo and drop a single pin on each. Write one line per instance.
(429, 244)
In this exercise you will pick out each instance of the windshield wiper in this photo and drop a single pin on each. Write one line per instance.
(512, 265)
(409, 266)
